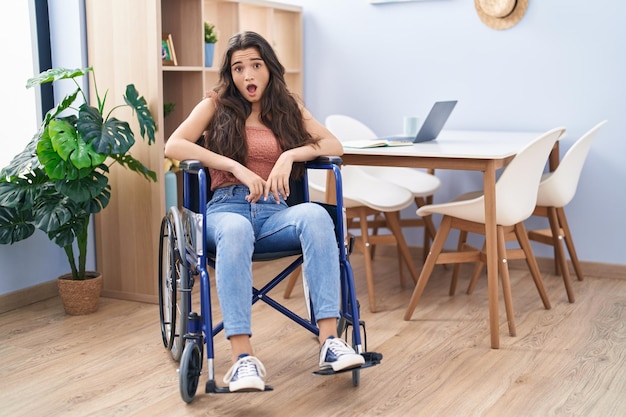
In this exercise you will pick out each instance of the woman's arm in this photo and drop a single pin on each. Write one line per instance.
(182, 145)
(327, 145)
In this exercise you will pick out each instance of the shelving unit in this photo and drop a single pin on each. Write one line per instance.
(124, 46)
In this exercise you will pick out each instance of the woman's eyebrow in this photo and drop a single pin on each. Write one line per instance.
(251, 59)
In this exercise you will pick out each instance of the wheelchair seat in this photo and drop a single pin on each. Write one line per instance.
(183, 259)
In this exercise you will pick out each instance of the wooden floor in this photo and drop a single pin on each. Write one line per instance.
(568, 361)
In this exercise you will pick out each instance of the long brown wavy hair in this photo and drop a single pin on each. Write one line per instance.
(280, 111)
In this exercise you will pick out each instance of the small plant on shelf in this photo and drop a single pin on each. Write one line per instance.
(210, 37)
(210, 33)
(168, 107)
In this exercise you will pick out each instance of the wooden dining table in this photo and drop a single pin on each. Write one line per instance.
(484, 151)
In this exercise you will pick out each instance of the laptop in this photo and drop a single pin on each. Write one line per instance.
(433, 124)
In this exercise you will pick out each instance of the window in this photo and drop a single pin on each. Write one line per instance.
(20, 119)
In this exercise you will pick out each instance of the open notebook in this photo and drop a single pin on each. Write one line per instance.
(374, 143)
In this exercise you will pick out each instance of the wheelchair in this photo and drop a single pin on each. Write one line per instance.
(183, 260)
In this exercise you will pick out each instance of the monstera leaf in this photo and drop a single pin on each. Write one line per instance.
(64, 155)
(110, 137)
(147, 125)
(15, 225)
(55, 74)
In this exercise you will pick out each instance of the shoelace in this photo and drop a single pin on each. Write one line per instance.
(245, 367)
(339, 347)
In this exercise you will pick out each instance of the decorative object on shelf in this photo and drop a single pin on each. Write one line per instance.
(168, 54)
(170, 169)
(171, 183)
(210, 38)
(168, 107)
(61, 178)
(500, 14)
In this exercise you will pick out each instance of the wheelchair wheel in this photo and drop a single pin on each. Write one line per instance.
(189, 372)
(167, 285)
(173, 281)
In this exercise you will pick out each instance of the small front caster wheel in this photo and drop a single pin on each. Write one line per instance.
(189, 372)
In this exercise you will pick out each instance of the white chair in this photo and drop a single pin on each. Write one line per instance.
(516, 195)
(556, 190)
(421, 184)
(364, 196)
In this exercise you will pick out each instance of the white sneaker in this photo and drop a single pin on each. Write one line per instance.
(246, 374)
(337, 354)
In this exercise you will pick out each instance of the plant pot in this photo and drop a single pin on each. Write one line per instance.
(209, 50)
(80, 297)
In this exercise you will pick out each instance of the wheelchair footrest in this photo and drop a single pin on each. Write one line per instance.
(371, 359)
(212, 388)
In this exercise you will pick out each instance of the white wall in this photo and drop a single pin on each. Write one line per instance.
(35, 260)
(563, 64)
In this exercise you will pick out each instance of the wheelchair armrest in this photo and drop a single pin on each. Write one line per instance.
(191, 165)
(324, 162)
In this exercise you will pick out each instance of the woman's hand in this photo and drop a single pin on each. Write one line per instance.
(255, 183)
(278, 181)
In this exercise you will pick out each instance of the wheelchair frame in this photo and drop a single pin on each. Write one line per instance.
(182, 257)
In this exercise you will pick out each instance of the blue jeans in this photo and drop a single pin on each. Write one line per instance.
(236, 228)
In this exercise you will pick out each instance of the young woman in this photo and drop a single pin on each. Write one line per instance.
(253, 132)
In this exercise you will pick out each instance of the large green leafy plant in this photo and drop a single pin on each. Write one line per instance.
(60, 179)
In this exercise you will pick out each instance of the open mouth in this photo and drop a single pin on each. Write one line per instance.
(251, 88)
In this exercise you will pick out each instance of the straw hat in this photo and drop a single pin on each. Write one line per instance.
(500, 14)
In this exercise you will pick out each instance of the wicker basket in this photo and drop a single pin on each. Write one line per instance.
(80, 297)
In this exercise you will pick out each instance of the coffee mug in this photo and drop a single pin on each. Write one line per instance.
(410, 125)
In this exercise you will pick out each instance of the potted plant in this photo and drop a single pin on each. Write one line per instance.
(60, 179)
(210, 37)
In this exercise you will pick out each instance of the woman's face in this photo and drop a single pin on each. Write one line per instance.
(250, 74)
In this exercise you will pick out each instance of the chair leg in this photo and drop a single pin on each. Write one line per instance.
(367, 256)
(503, 266)
(393, 221)
(560, 262)
(457, 267)
(374, 233)
(429, 265)
(478, 269)
(292, 282)
(429, 227)
(569, 242)
(522, 239)
(560, 252)
(401, 270)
